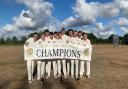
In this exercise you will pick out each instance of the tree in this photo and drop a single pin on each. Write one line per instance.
(2, 41)
(23, 39)
(125, 38)
(110, 38)
(8, 41)
(15, 40)
(92, 37)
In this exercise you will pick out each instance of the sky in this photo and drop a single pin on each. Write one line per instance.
(101, 17)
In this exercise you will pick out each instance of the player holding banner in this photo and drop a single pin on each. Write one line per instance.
(48, 64)
(75, 41)
(70, 68)
(30, 63)
(63, 62)
(85, 42)
(40, 64)
(54, 61)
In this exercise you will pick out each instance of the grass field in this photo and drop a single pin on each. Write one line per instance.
(109, 70)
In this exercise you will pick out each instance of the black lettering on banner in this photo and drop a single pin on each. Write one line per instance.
(74, 53)
(65, 52)
(38, 53)
(69, 53)
(58, 52)
(55, 52)
(61, 51)
(50, 53)
(78, 54)
(44, 52)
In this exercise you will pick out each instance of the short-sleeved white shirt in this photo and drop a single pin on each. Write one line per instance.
(30, 41)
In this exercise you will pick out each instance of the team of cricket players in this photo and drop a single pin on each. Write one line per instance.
(61, 68)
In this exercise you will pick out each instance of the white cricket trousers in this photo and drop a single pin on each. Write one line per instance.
(64, 68)
(88, 67)
(48, 68)
(30, 69)
(59, 68)
(76, 69)
(42, 68)
(39, 70)
(72, 68)
(54, 63)
(68, 66)
(82, 68)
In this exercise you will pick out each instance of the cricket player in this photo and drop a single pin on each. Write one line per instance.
(48, 37)
(86, 42)
(70, 40)
(68, 62)
(64, 37)
(62, 41)
(54, 62)
(30, 63)
(41, 63)
(76, 41)
(79, 34)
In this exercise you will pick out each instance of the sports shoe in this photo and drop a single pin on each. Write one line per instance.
(30, 81)
(88, 76)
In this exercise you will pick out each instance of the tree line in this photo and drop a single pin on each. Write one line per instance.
(94, 40)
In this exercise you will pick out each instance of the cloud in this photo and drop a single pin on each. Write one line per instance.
(102, 34)
(103, 31)
(87, 13)
(124, 29)
(103, 28)
(72, 22)
(108, 10)
(39, 12)
(99, 30)
(122, 22)
(123, 6)
(84, 14)
(37, 15)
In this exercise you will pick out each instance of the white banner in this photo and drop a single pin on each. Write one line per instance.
(57, 51)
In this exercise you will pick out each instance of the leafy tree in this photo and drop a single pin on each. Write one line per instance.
(2, 41)
(92, 37)
(125, 38)
(8, 41)
(23, 39)
(15, 40)
(110, 38)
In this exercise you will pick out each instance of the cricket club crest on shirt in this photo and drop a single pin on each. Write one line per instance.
(29, 51)
(86, 52)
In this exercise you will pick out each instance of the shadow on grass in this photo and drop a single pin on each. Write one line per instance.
(5, 85)
(68, 84)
